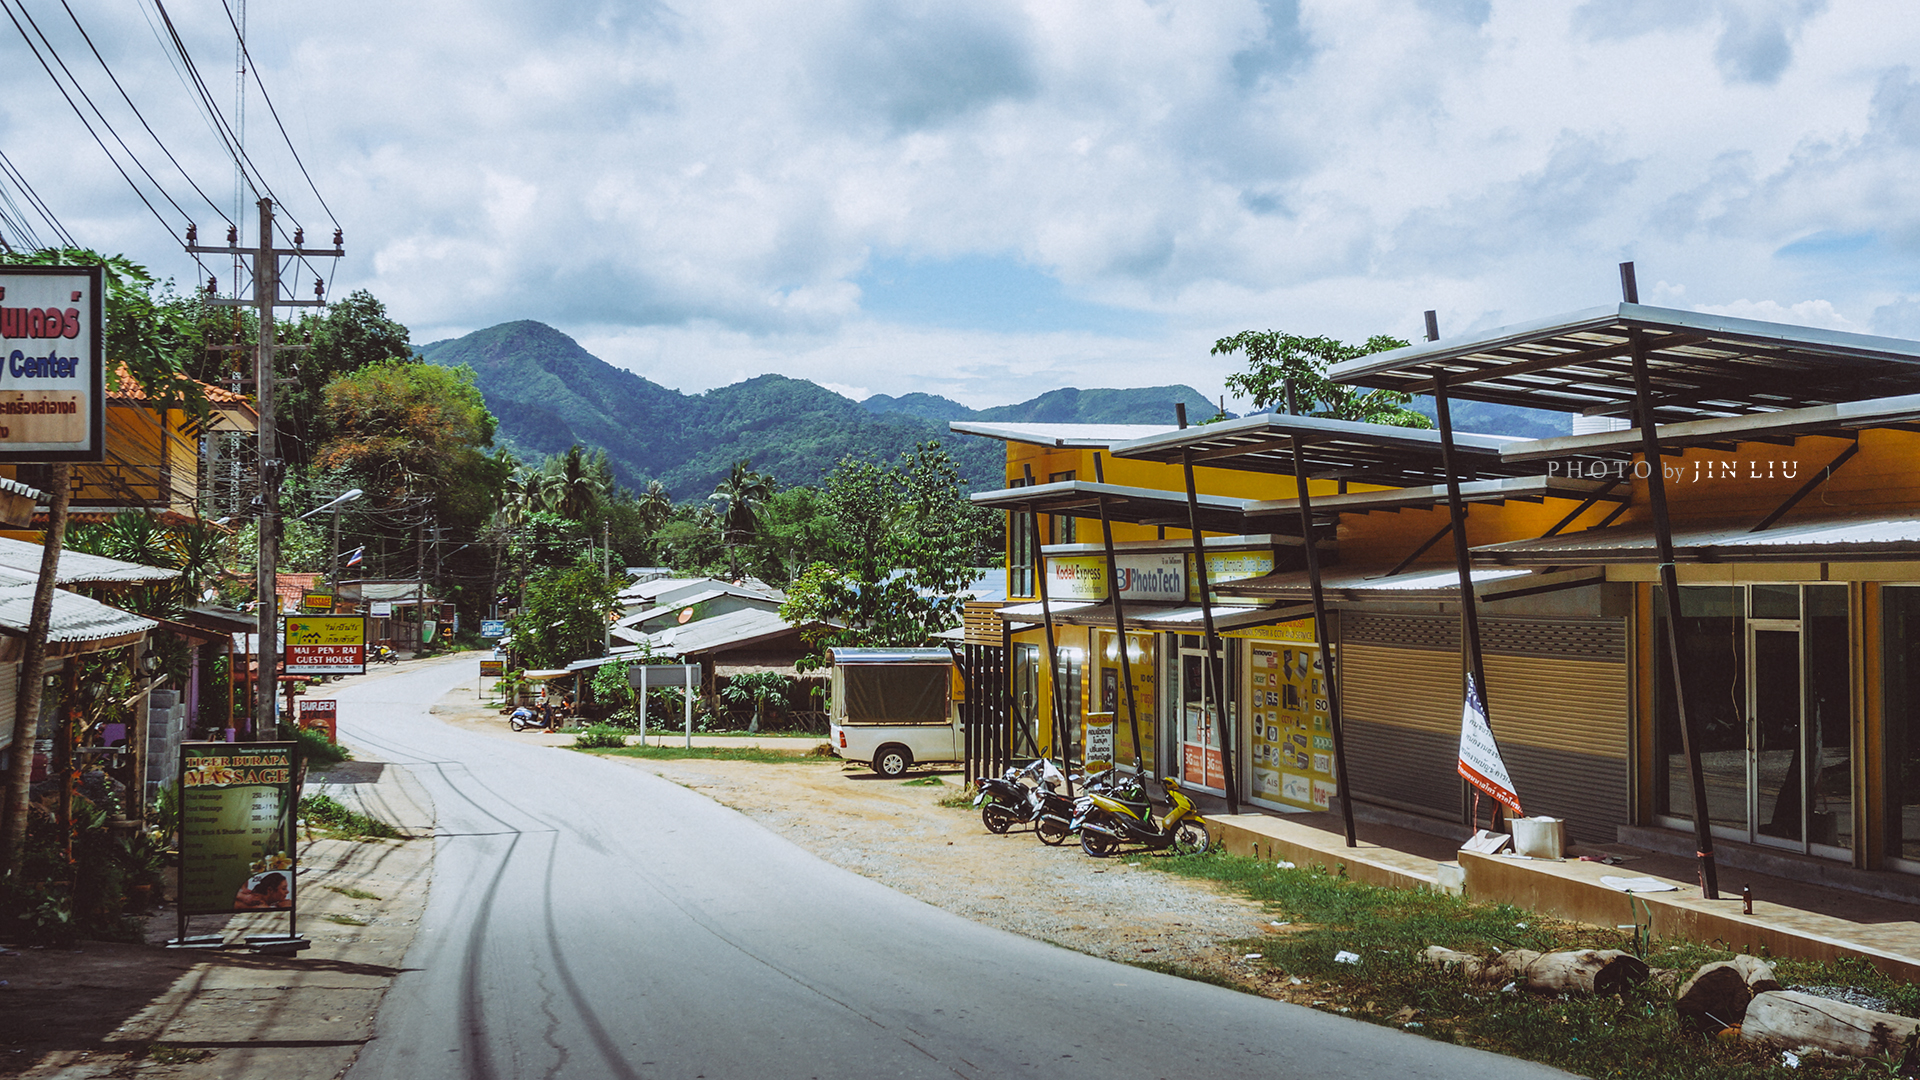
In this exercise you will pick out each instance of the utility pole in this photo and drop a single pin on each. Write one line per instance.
(266, 297)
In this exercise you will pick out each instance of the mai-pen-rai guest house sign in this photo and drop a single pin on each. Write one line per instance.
(325, 644)
(52, 379)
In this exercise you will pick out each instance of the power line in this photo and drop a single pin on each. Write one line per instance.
(275, 113)
(104, 66)
(34, 199)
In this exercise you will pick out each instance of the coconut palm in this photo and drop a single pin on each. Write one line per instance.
(736, 497)
(573, 487)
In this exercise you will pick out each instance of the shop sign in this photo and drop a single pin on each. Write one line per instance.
(237, 841)
(326, 645)
(1096, 740)
(381, 609)
(1297, 630)
(1230, 566)
(493, 628)
(493, 669)
(52, 383)
(317, 601)
(322, 714)
(1142, 577)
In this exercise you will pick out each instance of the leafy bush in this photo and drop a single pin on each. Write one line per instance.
(325, 811)
(600, 737)
(318, 750)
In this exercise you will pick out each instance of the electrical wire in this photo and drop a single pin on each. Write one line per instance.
(275, 113)
(104, 66)
(83, 120)
(33, 198)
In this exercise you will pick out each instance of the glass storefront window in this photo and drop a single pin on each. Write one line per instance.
(1829, 716)
(1712, 635)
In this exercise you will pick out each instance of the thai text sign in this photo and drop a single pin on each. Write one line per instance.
(322, 714)
(326, 644)
(52, 384)
(237, 843)
(492, 669)
(493, 628)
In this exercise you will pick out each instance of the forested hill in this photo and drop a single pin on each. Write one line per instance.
(550, 393)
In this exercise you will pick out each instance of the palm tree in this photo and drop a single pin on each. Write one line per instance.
(737, 495)
(572, 489)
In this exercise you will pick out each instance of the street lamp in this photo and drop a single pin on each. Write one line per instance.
(334, 504)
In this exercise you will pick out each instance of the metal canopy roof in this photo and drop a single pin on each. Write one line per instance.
(1829, 540)
(1521, 488)
(844, 656)
(1147, 615)
(1489, 583)
(1700, 366)
(1333, 449)
(1842, 420)
(78, 567)
(1138, 506)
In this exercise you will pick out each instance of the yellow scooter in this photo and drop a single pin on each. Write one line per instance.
(1107, 823)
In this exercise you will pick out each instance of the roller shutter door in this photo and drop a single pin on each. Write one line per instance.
(1400, 703)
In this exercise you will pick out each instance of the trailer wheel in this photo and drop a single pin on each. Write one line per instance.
(891, 761)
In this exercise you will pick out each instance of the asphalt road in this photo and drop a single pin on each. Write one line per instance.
(591, 920)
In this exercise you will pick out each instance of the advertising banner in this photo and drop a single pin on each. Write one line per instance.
(1290, 752)
(322, 714)
(326, 644)
(52, 378)
(1228, 566)
(237, 842)
(381, 609)
(492, 669)
(1480, 761)
(493, 628)
(1159, 577)
(317, 601)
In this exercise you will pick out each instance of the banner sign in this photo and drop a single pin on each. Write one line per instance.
(1480, 761)
(326, 645)
(661, 676)
(52, 370)
(1229, 566)
(381, 609)
(322, 714)
(1142, 577)
(318, 601)
(492, 669)
(493, 628)
(237, 841)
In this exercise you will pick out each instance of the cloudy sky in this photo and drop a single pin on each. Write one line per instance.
(991, 199)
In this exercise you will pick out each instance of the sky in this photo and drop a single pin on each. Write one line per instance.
(993, 199)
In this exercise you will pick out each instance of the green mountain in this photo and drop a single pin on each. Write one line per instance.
(1152, 405)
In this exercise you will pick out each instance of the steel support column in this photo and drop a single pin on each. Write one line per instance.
(1214, 676)
(1055, 691)
(1326, 644)
(1119, 616)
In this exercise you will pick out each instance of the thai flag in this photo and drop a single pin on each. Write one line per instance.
(354, 556)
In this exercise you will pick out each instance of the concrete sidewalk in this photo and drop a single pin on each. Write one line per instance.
(232, 1013)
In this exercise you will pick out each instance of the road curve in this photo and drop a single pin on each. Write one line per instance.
(593, 921)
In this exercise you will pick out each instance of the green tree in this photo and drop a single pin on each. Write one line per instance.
(352, 334)
(574, 484)
(409, 431)
(150, 329)
(1275, 359)
(564, 617)
(761, 691)
(736, 498)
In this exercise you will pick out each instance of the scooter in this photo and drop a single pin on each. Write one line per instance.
(1058, 812)
(1109, 822)
(383, 654)
(526, 717)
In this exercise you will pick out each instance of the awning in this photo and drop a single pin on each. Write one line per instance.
(75, 618)
(1170, 618)
(1518, 488)
(1489, 583)
(844, 656)
(1842, 420)
(1332, 449)
(544, 674)
(1832, 540)
(1700, 366)
(1138, 506)
(78, 567)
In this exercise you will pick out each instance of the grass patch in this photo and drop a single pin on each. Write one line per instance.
(324, 813)
(353, 893)
(924, 781)
(963, 800)
(711, 753)
(1636, 1036)
(600, 737)
(345, 920)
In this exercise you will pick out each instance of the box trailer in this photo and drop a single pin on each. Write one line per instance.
(895, 708)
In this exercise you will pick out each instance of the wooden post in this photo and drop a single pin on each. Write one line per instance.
(26, 717)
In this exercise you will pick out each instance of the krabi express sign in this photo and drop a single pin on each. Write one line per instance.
(52, 379)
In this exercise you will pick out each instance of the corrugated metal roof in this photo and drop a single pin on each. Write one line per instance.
(77, 567)
(1523, 488)
(1700, 366)
(1083, 436)
(683, 602)
(1140, 506)
(1332, 449)
(75, 618)
(1422, 584)
(890, 656)
(1830, 540)
(722, 632)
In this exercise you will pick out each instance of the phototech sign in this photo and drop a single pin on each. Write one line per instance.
(326, 645)
(52, 382)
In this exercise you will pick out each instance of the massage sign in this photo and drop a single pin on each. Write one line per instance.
(52, 398)
(237, 840)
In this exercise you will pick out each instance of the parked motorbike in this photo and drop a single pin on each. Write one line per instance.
(1058, 813)
(1005, 801)
(1110, 822)
(526, 717)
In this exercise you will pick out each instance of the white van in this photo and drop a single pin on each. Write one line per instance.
(895, 708)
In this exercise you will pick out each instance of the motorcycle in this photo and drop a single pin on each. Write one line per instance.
(383, 654)
(1110, 822)
(525, 717)
(1005, 801)
(1058, 813)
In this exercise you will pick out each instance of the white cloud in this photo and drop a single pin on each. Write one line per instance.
(694, 190)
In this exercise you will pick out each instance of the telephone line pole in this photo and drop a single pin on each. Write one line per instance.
(266, 297)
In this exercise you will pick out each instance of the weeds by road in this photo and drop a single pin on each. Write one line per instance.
(1318, 918)
(816, 756)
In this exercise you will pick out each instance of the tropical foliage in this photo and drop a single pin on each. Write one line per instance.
(1278, 361)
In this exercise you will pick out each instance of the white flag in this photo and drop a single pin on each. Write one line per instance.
(1480, 756)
